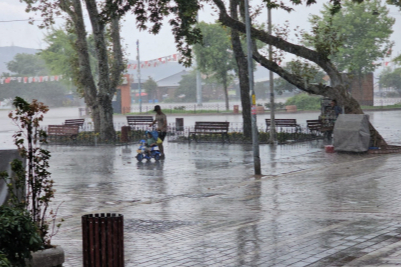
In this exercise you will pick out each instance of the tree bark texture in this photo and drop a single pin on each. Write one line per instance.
(105, 92)
(225, 88)
(339, 83)
(242, 73)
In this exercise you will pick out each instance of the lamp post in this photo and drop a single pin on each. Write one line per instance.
(271, 81)
(139, 76)
(198, 80)
(255, 141)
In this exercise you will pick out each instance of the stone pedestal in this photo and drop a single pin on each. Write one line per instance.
(260, 109)
(291, 108)
(51, 257)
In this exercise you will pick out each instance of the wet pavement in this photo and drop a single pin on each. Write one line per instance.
(202, 205)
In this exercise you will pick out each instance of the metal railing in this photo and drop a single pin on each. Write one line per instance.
(191, 108)
(179, 133)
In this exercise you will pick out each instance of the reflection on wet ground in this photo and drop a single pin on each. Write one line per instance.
(203, 206)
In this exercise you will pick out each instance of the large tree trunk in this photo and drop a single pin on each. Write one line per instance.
(105, 92)
(225, 87)
(85, 78)
(351, 106)
(107, 132)
(96, 117)
(226, 98)
(242, 73)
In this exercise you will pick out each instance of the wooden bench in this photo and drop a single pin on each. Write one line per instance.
(134, 121)
(70, 131)
(314, 125)
(79, 122)
(210, 127)
(290, 123)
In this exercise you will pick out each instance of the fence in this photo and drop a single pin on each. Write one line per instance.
(179, 133)
(189, 108)
(380, 101)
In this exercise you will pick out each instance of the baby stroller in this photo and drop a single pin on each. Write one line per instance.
(142, 150)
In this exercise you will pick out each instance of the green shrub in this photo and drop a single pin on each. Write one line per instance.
(4, 262)
(304, 101)
(18, 236)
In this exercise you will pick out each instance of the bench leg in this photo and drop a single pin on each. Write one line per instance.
(226, 136)
(328, 134)
(190, 136)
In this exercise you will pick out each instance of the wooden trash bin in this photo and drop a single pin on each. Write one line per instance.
(125, 130)
(103, 240)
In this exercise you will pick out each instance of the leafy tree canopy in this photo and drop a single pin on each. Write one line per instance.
(61, 56)
(391, 79)
(310, 72)
(305, 101)
(355, 37)
(214, 54)
(182, 16)
(187, 87)
(27, 65)
(151, 87)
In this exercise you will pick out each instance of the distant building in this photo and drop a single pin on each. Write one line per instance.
(362, 90)
(167, 86)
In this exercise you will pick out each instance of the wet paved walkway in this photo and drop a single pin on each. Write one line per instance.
(203, 206)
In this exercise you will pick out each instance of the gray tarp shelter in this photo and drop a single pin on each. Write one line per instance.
(351, 133)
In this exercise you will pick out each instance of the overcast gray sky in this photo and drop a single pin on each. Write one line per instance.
(20, 33)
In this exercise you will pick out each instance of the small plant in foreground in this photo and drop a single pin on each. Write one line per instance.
(18, 236)
(38, 183)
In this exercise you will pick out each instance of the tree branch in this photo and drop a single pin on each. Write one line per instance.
(81, 46)
(100, 47)
(286, 46)
(296, 80)
(118, 66)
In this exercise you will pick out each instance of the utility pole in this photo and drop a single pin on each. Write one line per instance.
(255, 140)
(139, 76)
(271, 81)
(198, 79)
(198, 88)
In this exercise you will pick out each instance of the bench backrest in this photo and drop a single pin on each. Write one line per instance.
(212, 126)
(283, 122)
(139, 120)
(62, 130)
(314, 124)
(79, 122)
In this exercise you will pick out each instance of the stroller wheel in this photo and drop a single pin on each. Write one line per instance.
(139, 157)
